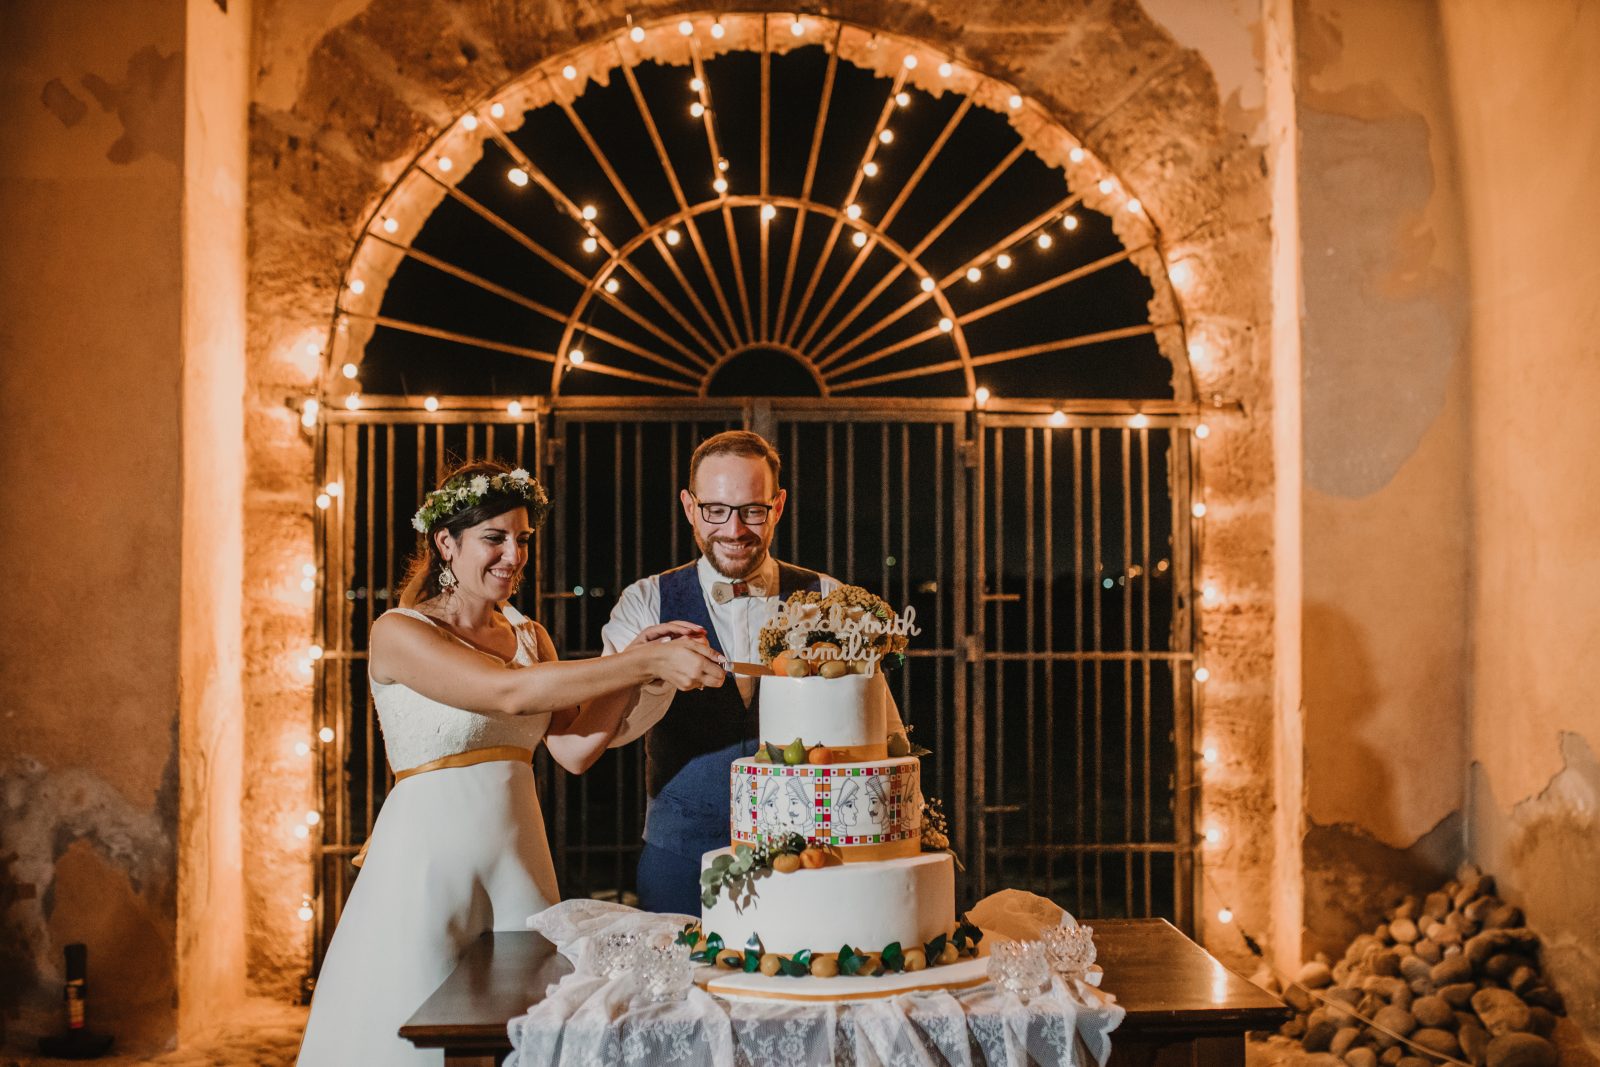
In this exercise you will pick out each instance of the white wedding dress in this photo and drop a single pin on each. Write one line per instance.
(456, 852)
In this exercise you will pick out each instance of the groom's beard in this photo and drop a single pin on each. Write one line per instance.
(733, 567)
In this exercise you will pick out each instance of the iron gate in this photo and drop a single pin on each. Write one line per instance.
(1046, 557)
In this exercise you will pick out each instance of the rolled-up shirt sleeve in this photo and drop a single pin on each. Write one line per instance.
(638, 608)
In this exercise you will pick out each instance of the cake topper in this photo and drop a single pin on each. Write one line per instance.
(848, 631)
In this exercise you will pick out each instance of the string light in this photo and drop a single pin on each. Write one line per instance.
(854, 211)
(1135, 206)
(859, 239)
(302, 832)
(589, 212)
(469, 122)
(945, 325)
(718, 29)
(308, 412)
(357, 286)
(612, 285)
(569, 72)
(974, 274)
(1213, 835)
(313, 349)
(431, 403)
(1199, 509)
(1106, 185)
(1209, 754)
(517, 176)
(352, 402)
(1225, 916)
(1197, 351)
(720, 185)
(325, 735)
(1015, 101)
(902, 99)
(1076, 155)
(696, 84)
(313, 817)
(1139, 420)
(1003, 261)
(390, 225)
(1209, 594)
(302, 748)
(1058, 418)
(590, 244)
(1202, 431)
(768, 212)
(306, 912)
(886, 136)
(686, 27)
(636, 34)
(314, 652)
(1201, 674)
(945, 70)
(797, 27)
(576, 357)
(910, 62)
(446, 164)
(981, 395)
(323, 501)
(497, 110)
(870, 169)
(697, 109)
(349, 370)
(928, 284)
(722, 165)
(1070, 222)
(1045, 240)
(1180, 275)
(673, 237)
(308, 585)
(514, 408)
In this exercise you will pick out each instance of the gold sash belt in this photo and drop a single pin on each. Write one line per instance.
(469, 758)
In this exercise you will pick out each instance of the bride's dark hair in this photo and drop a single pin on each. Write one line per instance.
(422, 574)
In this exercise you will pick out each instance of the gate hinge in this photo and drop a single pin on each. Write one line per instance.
(968, 451)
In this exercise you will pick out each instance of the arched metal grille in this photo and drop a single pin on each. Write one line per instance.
(955, 321)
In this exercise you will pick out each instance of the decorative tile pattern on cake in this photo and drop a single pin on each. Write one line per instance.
(842, 805)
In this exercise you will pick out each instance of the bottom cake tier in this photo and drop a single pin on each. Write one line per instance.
(864, 905)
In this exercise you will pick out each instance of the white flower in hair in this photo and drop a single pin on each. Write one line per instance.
(419, 523)
(479, 485)
(519, 475)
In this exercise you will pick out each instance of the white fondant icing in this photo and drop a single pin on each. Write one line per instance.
(839, 804)
(864, 905)
(841, 712)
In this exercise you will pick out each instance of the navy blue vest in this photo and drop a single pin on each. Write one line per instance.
(687, 753)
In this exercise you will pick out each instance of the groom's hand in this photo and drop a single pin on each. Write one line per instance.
(687, 663)
(668, 630)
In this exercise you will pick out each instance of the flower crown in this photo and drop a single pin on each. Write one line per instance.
(463, 492)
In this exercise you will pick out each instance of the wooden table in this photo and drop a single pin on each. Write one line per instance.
(1184, 1008)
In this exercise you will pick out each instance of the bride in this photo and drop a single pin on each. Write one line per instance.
(465, 687)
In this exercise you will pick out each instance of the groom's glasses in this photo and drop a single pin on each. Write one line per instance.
(749, 514)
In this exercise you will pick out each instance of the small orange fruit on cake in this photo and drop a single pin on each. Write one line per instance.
(820, 754)
(787, 863)
(812, 858)
(780, 663)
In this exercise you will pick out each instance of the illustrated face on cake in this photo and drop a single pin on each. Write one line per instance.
(847, 805)
(877, 803)
(797, 811)
(784, 807)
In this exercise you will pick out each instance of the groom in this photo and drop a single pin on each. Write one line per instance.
(733, 504)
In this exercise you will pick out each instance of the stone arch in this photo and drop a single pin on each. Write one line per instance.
(338, 118)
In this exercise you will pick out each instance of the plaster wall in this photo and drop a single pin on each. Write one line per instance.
(1385, 461)
(91, 184)
(1530, 150)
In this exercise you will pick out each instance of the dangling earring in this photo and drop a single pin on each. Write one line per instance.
(447, 578)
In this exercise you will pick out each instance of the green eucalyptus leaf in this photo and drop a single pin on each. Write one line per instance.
(849, 962)
(714, 943)
(710, 876)
(752, 961)
(709, 898)
(722, 862)
(803, 957)
(894, 957)
(935, 948)
(754, 945)
(794, 967)
(689, 935)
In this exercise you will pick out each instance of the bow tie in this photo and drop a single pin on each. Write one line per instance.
(722, 592)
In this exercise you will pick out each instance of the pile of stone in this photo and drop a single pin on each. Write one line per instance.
(1456, 973)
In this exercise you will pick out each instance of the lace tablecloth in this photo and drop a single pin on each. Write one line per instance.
(586, 1020)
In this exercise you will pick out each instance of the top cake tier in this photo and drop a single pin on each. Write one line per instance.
(846, 714)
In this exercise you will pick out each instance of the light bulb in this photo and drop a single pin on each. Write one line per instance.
(1201, 674)
(357, 286)
(1139, 421)
(1106, 185)
(590, 244)
(1003, 261)
(514, 408)
(352, 402)
(313, 652)
(349, 370)
(589, 212)
(302, 748)
(313, 817)
(1197, 352)
(981, 395)
(302, 833)
(517, 176)
(334, 489)
(697, 109)
(854, 211)
(636, 34)
(928, 284)
(612, 285)
(1070, 222)
(310, 408)
(1134, 205)
(308, 585)
(390, 225)
(308, 569)
(910, 62)
(859, 239)
(886, 136)
(569, 72)
(1209, 594)
(306, 913)
(720, 185)
(945, 325)
(686, 27)
(768, 212)
(446, 164)
(870, 169)
(1202, 431)
(696, 84)
(1212, 835)
(673, 237)
(945, 70)
(1209, 754)
(431, 403)
(1180, 275)
(575, 357)
(1225, 915)
(1199, 509)
(1045, 240)
(325, 735)
(722, 165)
(902, 99)
(1076, 155)
(497, 110)
(797, 27)
(1015, 101)
(717, 30)
(1058, 418)
(469, 122)
(313, 349)
(974, 274)
(323, 501)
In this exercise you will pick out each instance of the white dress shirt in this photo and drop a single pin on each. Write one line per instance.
(738, 624)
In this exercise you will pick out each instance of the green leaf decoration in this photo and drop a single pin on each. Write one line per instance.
(894, 958)
(702, 957)
(709, 898)
(752, 961)
(849, 962)
(796, 966)
(689, 935)
(803, 957)
(711, 876)
(967, 937)
(935, 949)
(893, 661)
(714, 943)
(722, 862)
(754, 945)
(775, 753)
(920, 752)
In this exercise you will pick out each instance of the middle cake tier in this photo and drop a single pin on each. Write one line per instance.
(861, 811)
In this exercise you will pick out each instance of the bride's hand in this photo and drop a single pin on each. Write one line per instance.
(686, 663)
(668, 629)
